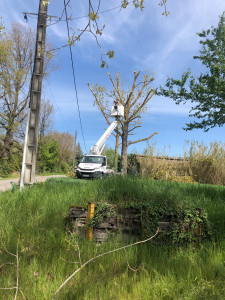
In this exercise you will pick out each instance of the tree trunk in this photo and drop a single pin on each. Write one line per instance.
(124, 149)
(117, 147)
(7, 144)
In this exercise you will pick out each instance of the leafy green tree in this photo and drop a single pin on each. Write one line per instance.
(110, 154)
(78, 152)
(65, 143)
(48, 158)
(206, 92)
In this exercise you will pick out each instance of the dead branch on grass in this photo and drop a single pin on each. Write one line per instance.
(101, 255)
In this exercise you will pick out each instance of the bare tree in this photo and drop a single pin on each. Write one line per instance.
(65, 142)
(134, 100)
(46, 118)
(16, 60)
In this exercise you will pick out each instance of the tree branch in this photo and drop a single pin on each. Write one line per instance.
(99, 105)
(149, 95)
(101, 255)
(142, 140)
(136, 74)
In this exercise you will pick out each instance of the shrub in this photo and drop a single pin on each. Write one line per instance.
(5, 168)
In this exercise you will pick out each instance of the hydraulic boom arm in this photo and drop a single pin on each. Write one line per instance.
(117, 111)
(99, 146)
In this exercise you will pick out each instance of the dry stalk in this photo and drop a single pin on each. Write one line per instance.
(17, 268)
(100, 255)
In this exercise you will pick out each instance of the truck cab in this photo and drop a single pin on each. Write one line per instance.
(92, 166)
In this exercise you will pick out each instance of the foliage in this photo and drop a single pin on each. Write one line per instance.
(184, 221)
(133, 165)
(49, 155)
(110, 154)
(65, 143)
(207, 91)
(8, 166)
(102, 211)
(207, 163)
(17, 50)
(15, 68)
(5, 168)
(200, 163)
(66, 154)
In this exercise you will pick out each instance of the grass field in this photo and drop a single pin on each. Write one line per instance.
(47, 252)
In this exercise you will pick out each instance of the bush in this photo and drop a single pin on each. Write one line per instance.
(5, 168)
(64, 167)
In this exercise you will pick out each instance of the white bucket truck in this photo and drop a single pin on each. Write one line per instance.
(93, 164)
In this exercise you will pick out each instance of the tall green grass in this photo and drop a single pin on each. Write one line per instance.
(46, 250)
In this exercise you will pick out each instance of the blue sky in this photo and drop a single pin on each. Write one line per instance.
(142, 41)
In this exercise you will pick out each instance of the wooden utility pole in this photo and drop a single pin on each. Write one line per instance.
(31, 139)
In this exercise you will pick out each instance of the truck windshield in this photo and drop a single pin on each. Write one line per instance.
(93, 159)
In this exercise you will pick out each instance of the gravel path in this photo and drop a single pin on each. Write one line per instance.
(5, 184)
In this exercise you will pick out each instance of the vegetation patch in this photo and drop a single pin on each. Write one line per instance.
(177, 225)
(48, 254)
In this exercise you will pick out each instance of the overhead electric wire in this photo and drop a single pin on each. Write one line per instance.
(77, 18)
(65, 123)
(74, 77)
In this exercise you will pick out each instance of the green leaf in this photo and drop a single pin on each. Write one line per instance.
(110, 54)
(103, 64)
(93, 16)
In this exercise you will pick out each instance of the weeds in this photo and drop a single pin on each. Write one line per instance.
(201, 164)
(164, 272)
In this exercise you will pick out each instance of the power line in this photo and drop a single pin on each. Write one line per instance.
(74, 77)
(75, 18)
(65, 123)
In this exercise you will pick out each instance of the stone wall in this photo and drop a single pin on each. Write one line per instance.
(123, 222)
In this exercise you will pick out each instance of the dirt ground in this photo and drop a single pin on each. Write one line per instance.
(5, 184)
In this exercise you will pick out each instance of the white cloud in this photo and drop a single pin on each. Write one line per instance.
(177, 32)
